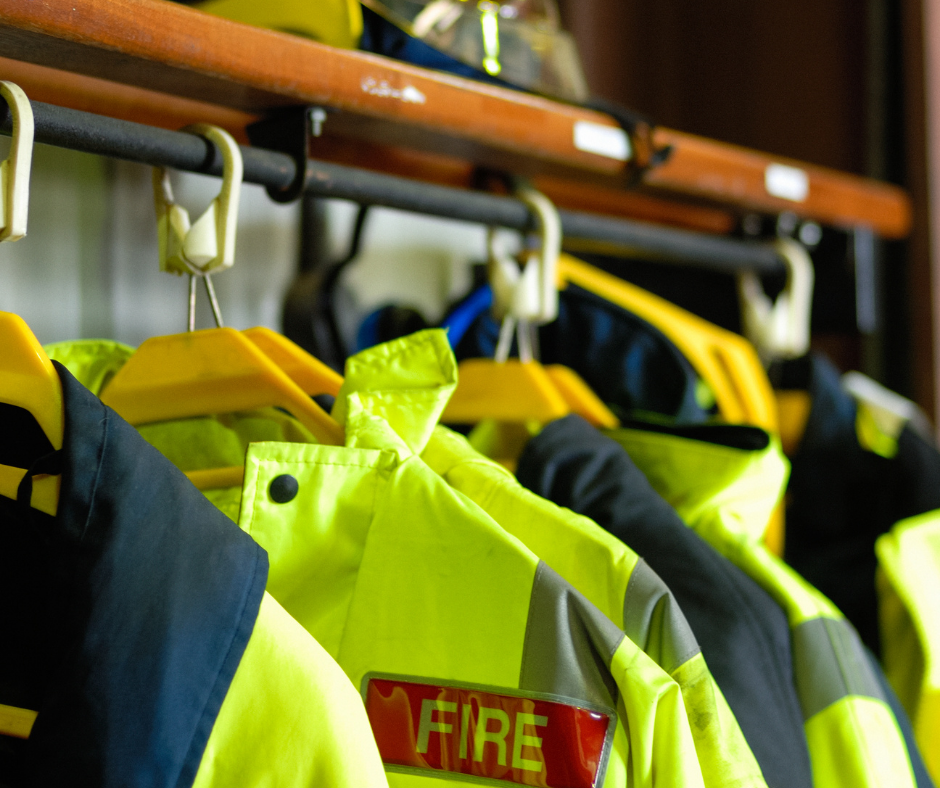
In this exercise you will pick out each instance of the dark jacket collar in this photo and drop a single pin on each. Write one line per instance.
(153, 595)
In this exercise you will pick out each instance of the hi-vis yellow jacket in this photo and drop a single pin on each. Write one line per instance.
(909, 600)
(622, 586)
(269, 729)
(474, 659)
(727, 495)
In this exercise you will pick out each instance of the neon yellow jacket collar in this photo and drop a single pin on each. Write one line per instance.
(405, 383)
(735, 489)
(852, 734)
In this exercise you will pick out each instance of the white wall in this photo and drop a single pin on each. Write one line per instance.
(88, 266)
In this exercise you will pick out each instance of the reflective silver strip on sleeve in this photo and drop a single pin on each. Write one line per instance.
(653, 620)
(829, 663)
(569, 643)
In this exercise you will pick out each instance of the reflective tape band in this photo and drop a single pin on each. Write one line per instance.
(569, 643)
(653, 620)
(829, 663)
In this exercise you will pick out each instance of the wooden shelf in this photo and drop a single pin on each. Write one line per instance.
(737, 176)
(167, 49)
(125, 102)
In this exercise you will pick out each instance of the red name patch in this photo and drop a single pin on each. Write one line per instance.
(479, 733)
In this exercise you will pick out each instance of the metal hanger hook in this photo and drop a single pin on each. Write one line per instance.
(213, 301)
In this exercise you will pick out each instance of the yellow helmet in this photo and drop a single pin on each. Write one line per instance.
(334, 22)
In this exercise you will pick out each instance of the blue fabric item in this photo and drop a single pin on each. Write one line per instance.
(627, 362)
(152, 596)
(462, 317)
(383, 38)
(389, 322)
(368, 334)
(743, 633)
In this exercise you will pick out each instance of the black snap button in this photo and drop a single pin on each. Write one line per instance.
(283, 488)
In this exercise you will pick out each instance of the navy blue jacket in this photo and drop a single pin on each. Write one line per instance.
(841, 497)
(743, 633)
(128, 611)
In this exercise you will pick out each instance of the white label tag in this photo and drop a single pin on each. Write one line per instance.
(602, 140)
(787, 183)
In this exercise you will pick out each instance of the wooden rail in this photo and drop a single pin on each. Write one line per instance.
(171, 49)
(126, 102)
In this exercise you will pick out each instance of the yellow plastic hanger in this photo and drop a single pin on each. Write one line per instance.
(27, 378)
(16, 722)
(29, 381)
(580, 397)
(306, 370)
(509, 391)
(216, 370)
(522, 390)
(726, 361)
(200, 373)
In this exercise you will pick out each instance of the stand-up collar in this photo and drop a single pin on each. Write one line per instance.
(731, 474)
(405, 383)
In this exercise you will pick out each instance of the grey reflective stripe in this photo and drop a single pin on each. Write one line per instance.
(568, 643)
(652, 619)
(829, 663)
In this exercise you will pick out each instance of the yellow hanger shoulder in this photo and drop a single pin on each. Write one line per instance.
(199, 373)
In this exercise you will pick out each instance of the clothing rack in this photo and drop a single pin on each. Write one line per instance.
(121, 139)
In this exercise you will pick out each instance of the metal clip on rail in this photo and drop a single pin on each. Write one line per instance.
(288, 131)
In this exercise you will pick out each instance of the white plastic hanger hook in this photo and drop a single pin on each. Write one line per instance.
(780, 329)
(208, 244)
(530, 294)
(14, 170)
(549, 231)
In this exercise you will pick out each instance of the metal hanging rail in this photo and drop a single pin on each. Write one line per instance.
(121, 139)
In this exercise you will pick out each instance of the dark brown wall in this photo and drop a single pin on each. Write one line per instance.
(833, 82)
(785, 77)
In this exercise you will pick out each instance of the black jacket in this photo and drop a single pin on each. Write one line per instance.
(841, 497)
(743, 633)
